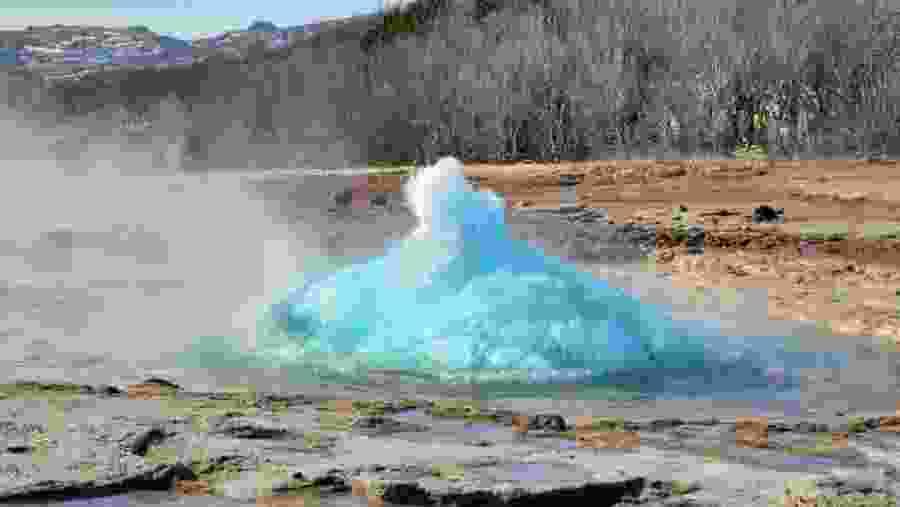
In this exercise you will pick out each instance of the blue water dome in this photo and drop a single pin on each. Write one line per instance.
(172, 41)
(262, 26)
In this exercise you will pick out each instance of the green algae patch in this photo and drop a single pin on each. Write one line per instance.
(237, 406)
(312, 440)
(856, 424)
(824, 231)
(684, 487)
(279, 407)
(448, 472)
(392, 167)
(819, 450)
(334, 422)
(751, 152)
(87, 472)
(370, 407)
(712, 455)
(881, 230)
(40, 443)
(407, 404)
(376, 488)
(679, 223)
(454, 408)
(512, 391)
(839, 295)
(29, 389)
(824, 447)
(162, 456)
(481, 418)
(606, 424)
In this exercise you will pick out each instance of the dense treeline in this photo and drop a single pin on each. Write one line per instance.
(542, 80)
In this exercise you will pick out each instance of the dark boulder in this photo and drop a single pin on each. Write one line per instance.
(768, 215)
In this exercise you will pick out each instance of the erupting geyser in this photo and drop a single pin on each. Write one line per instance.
(457, 300)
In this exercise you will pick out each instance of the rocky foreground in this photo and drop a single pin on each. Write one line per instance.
(65, 442)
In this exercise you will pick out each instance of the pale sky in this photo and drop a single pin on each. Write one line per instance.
(181, 17)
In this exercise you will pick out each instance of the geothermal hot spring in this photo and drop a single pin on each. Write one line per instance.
(457, 301)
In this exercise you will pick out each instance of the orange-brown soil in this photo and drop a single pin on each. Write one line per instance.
(848, 284)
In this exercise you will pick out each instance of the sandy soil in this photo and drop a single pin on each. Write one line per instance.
(849, 285)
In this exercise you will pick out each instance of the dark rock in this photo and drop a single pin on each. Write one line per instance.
(710, 421)
(566, 180)
(589, 215)
(251, 429)
(383, 425)
(161, 382)
(663, 424)
(642, 236)
(475, 181)
(779, 427)
(504, 417)
(19, 449)
(632, 426)
(344, 197)
(552, 422)
(856, 482)
(86, 389)
(766, 214)
(408, 494)
(142, 443)
(810, 427)
(872, 423)
(380, 200)
(267, 401)
(107, 390)
(695, 239)
(161, 477)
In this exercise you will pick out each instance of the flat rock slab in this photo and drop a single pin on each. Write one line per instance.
(60, 445)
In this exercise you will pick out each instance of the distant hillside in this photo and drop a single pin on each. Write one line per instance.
(524, 79)
(62, 53)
